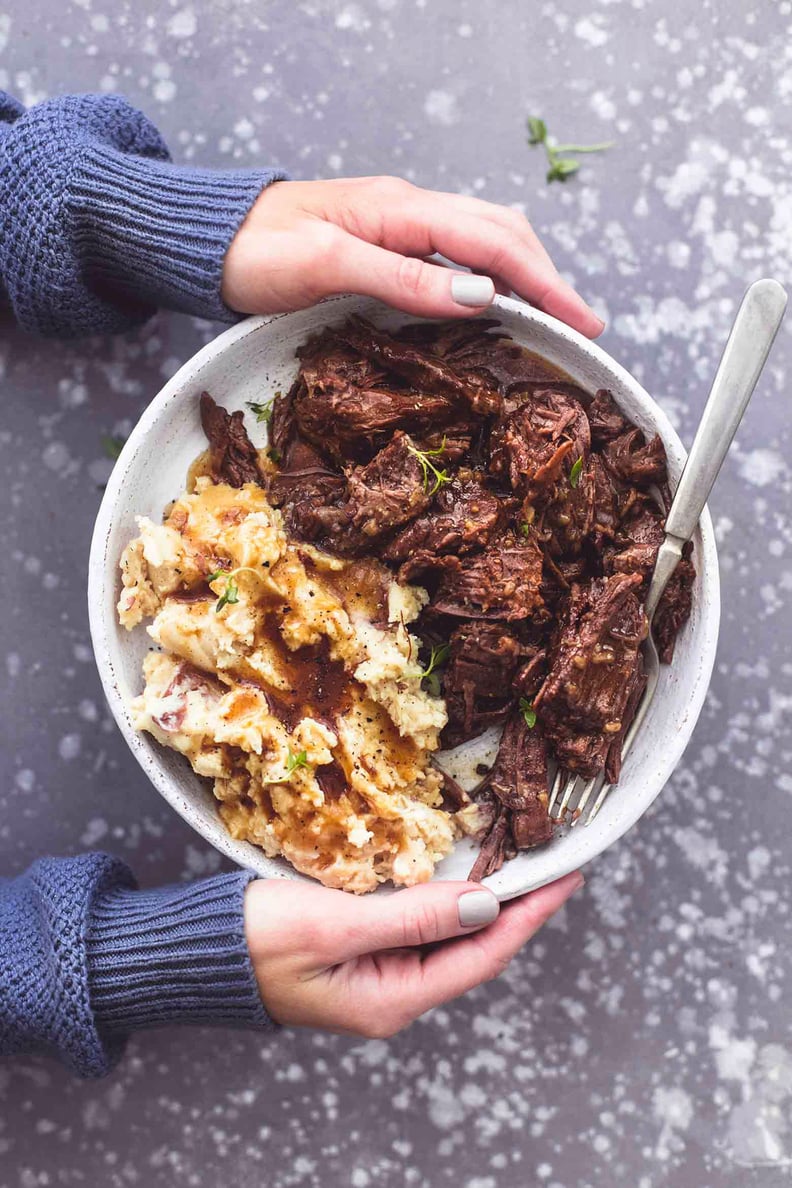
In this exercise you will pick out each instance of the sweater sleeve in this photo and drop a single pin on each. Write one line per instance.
(85, 958)
(98, 227)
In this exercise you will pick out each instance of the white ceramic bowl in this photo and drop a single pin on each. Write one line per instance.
(251, 361)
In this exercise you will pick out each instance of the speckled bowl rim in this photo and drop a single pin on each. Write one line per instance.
(524, 873)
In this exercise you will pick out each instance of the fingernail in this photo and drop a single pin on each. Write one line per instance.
(577, 882)
(467, 289)
(477, 908)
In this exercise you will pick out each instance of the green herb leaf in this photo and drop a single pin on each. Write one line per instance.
(263, 412)
(295, 761)
(575, 472)
(428, 468)
(560, 164)
(525, 529)
(528, 712)
(537, 130)
(437, 658)
(274, 455)
(212, 577)
(561, 168)
(113, 446)
(229, 596)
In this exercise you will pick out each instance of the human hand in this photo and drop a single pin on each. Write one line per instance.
(329, 960)
(302, 241)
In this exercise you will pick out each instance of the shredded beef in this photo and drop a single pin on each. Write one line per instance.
(519, 779)
(482, 662)
(591, 671)
(462, 519)
(605, 419)
(232, 456)
(503, 582)
(636, 461)
(673, 609)
(495, 849)
(424, 371)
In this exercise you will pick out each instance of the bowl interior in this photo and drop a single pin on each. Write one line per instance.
(250, 362)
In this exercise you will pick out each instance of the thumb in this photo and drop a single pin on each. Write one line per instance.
(406, 282)
(419, 915)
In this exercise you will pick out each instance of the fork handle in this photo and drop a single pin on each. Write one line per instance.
(743, 358)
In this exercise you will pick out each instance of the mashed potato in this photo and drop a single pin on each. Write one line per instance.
(290, 679)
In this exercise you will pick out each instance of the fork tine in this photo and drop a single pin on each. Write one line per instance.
(568, 790)
(554, 791)
(585, 796)
(598, 803)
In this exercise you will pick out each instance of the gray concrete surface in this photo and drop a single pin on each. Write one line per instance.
(644, 1038)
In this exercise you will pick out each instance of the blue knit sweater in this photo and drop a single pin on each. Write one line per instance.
(97, 230)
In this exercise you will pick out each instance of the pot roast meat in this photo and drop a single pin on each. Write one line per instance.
(482, 662)
(518, 782)
(605, 504)
(613, 759)
(352, 423)
(424, 371)
(535, 446)
(388, 491)
(518, 778)
(307, 490)
(638, 539)
(462, 519)
(582, 703)
(497, 846)
(232, 456)
(637, 461)
(673, 609)
(605, 420)
(503, 582)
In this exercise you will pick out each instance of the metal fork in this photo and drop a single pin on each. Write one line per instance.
(744, 356)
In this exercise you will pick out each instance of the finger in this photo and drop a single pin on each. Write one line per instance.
(460, 965)
(504, 216)
(422, 226)
(420, 915)
(405, 282)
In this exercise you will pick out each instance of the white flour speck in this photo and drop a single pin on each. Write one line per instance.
(69, 746)
(761, 467)
(183, 23)
(441, 108)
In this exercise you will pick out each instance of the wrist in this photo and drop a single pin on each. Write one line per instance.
(173, 955)
(152, 233)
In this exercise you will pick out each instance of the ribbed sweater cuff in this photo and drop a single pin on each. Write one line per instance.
(173, 955)
(159, 232)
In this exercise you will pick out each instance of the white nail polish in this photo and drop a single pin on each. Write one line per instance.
(468, 289)
(477, 908)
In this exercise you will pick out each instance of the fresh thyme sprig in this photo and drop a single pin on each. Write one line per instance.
(528, 712)
(560, 167)
(262, 412)
(428, 467)
(575, 472)
(437, 658)
(230, 594)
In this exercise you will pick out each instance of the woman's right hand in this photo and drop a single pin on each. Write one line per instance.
(361, 966)
(302, 241)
